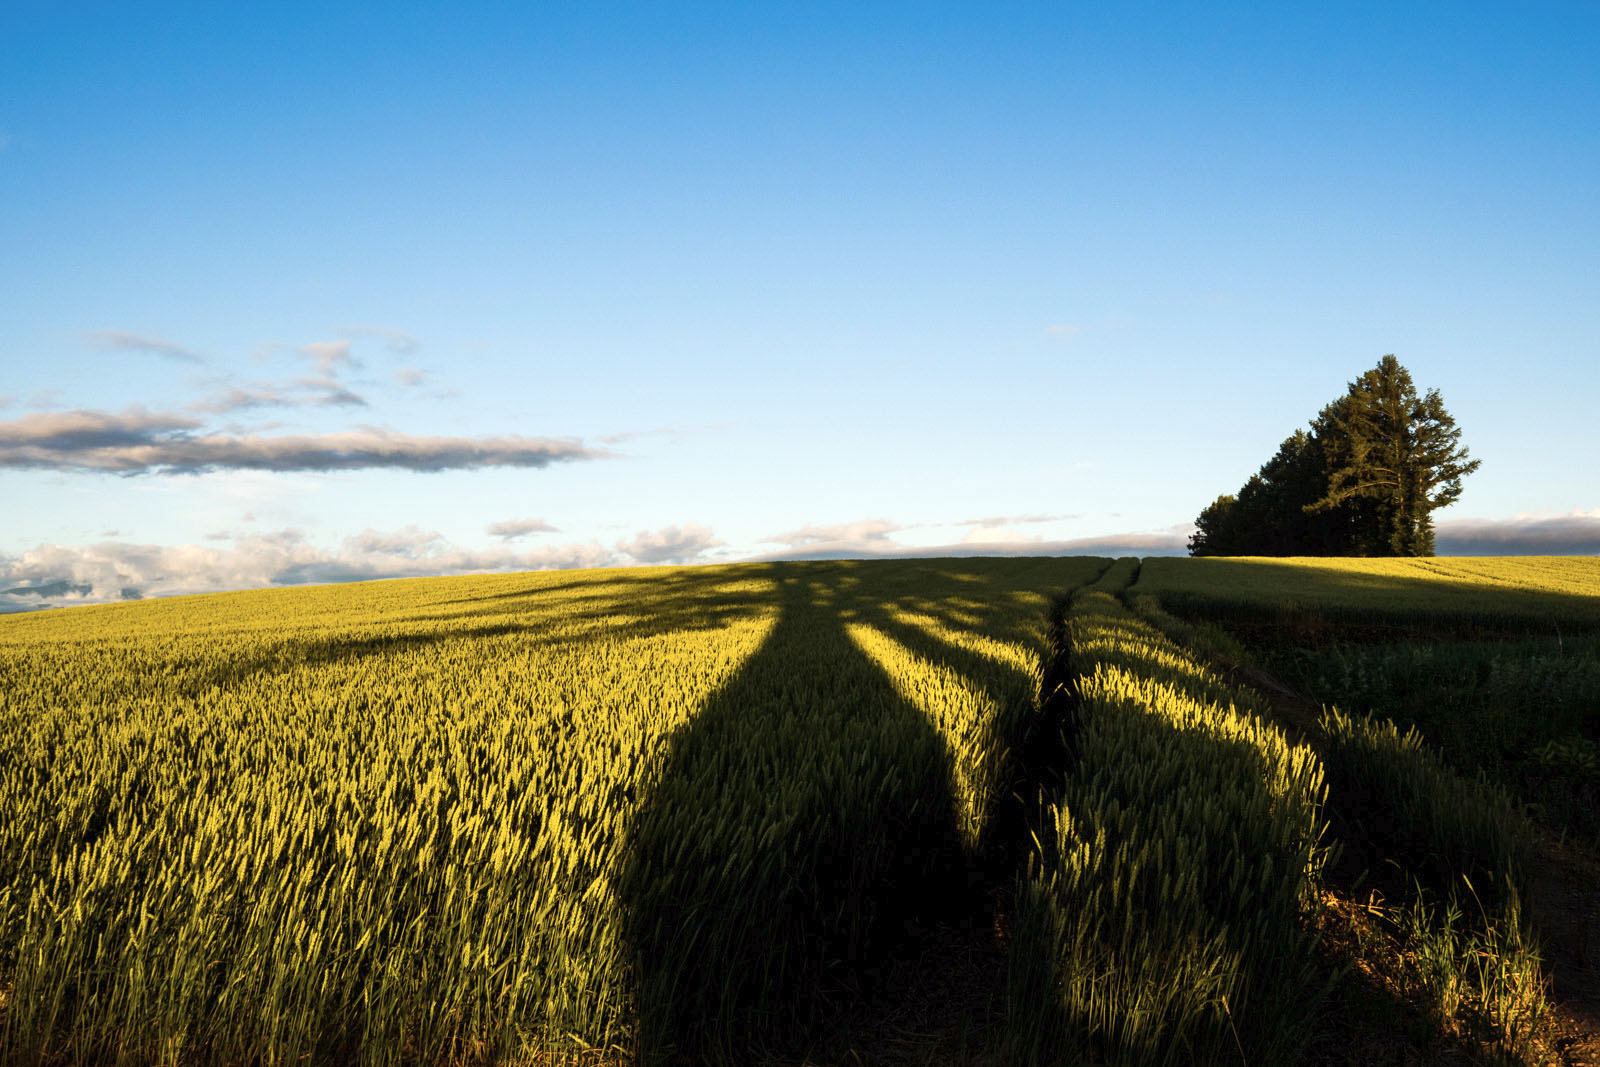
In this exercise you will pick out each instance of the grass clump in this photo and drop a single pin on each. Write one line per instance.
(1464, 960)
(1460, 976)
(1480, 981)
(1406, 810)
(1212, 643)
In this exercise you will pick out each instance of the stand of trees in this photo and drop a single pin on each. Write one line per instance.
(1364, 482)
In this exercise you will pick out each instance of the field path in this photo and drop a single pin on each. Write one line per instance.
(1566, 910)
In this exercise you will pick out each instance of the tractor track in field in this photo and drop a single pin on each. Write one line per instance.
(938, 998)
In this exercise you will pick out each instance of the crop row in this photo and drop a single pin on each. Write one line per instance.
(1161, 918)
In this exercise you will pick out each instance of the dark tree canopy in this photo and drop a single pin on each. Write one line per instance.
(1364, 482)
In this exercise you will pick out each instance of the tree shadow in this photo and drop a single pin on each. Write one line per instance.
(806, 821)
(548, 616)
(1321, 600)
(800, 819)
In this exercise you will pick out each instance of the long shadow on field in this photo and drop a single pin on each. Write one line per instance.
(618, 606)
(621, 607)
(1299, 600)
(802, 817)
(932, 638)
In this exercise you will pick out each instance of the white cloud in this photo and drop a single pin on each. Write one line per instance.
(1016, 520)
(859, 533)
(137, 441)
(123, 340)
(869, 539)
(302, 392)
(329, 392)
(67, 431)
(514, 528)
(237, 398)
(672, 544)
(329, 355)
(396, 341)
(629, 435)
(60, 576)
(998, 535)
(1063, 330)
(409, 543)
(1540, 516)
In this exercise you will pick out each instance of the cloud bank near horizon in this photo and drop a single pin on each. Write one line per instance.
(1576, 533)
(1127, 544)
(61, 576)
(874, 539)
(137, 441)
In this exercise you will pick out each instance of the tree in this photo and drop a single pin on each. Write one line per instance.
(1291, 479)
(1364, 482)
(1267, 517)
(1217, 530)
(1393, 459)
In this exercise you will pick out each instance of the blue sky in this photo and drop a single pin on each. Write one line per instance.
(696, 282)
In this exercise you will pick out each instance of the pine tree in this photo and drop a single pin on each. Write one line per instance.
(1268, 517)
(1217, 530)
(1293, 478)
(1365, 482)
(1393, 458)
